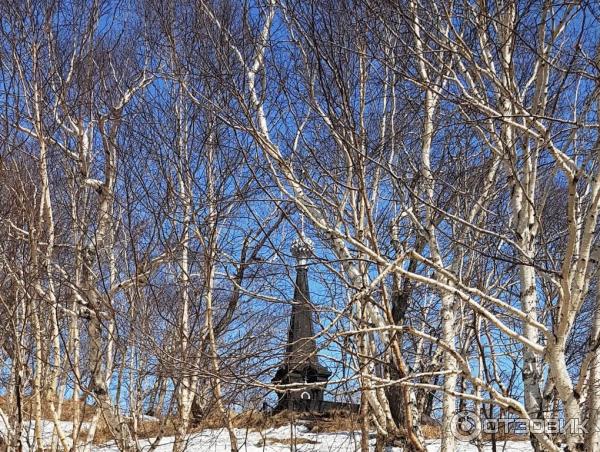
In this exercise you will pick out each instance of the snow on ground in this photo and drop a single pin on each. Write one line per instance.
(46, 430)
(252, 441)
(266, 441)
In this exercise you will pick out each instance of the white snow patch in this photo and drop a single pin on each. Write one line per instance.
(252, 441)
(47, 432)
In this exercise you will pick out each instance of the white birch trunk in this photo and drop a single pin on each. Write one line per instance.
(592, 437)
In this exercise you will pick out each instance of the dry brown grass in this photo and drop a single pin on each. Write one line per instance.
(335, 421)
(252, 420)
(257, 421)
(431, 431)
(146, 429)
(331, 422)
(508, 436)
(285, 441)
(67, 409)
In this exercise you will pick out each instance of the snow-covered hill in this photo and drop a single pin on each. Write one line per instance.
(278, 440)
(271, 440)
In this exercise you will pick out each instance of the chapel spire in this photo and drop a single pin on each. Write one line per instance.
(301, 363)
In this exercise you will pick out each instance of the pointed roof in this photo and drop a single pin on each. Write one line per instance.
(301, 350)
(301, 345)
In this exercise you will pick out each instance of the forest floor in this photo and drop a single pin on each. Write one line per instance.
(275, 440)
(279, 440)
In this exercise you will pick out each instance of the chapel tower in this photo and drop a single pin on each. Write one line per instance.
(301, 363)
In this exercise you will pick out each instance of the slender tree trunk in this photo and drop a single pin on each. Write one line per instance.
(185, 388)
(449, 400)
(592, 437)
